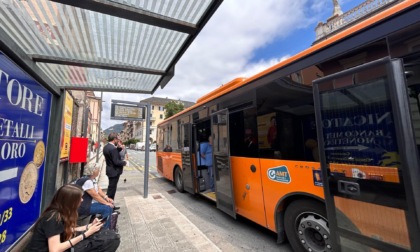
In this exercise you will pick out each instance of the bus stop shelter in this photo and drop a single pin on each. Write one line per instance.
(129, 46)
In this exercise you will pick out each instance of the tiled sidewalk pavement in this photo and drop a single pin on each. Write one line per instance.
(158, 226)
(152, 224)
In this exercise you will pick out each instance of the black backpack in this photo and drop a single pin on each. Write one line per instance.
(84, 208)
(102, 241)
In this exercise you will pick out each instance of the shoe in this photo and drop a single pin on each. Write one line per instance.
(116, 208)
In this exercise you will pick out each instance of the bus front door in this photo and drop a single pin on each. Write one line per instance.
(222, 172)
(369, 158)
(186, 155)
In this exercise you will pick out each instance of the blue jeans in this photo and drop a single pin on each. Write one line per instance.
(104, 210)
(210, 172)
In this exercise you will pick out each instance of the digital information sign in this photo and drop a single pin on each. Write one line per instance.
(24, 121)
(127, 112)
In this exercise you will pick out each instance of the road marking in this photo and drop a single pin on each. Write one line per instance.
(8, 174)
(141, 168)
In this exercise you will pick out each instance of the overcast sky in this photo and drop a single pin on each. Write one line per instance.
(241, 39)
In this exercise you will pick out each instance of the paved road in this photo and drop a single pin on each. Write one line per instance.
(136, 159)
(225, 232)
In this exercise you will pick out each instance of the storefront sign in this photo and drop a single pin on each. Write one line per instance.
(24, 119)
(66, 127)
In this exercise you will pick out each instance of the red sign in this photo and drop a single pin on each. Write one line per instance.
(78, 150)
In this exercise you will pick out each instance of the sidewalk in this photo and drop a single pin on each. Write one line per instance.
(151, 224)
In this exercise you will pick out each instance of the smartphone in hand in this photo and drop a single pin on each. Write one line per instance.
(103, 220)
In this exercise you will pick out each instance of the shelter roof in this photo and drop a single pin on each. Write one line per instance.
(102, 45)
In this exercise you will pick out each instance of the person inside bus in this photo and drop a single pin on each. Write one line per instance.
(202, 141)
(272, 133)
(206, 158)
(312, 144)
(250, 143)
(167, 148)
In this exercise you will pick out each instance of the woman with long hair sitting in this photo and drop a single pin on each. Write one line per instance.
(56, 229)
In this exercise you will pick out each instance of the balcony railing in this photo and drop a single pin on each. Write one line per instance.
(362, 10)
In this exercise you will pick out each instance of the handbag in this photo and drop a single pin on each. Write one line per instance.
(114, 220)
(104, 240)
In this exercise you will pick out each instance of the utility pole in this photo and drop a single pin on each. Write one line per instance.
(146, 153)
(84, 127)
(146, 115)
(99, 129)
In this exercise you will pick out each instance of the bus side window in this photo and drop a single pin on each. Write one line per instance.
(281, 122)
(161, 136)
(243, 133)
(289, 138)
(174, 136)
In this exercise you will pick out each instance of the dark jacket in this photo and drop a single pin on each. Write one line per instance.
(114, 164)
(84, 208)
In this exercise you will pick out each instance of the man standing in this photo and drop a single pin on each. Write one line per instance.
(114, 164)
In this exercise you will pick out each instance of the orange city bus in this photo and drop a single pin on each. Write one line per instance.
(322, 148)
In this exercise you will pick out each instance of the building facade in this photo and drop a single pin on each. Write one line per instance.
(137, 129)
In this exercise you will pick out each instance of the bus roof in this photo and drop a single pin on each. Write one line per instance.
(239, 82)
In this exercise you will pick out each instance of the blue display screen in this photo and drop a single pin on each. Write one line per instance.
(24, 120)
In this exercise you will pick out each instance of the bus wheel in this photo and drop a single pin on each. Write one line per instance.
(306, 226)
(179, 181)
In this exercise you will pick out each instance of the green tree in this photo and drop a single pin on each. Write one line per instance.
(131, 141)
(173, 107)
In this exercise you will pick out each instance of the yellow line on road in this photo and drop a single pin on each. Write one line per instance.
(138, 167)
